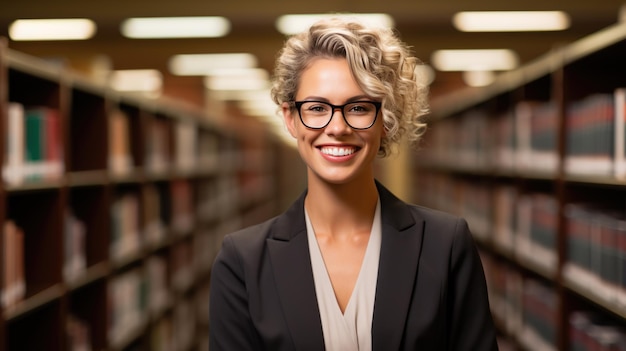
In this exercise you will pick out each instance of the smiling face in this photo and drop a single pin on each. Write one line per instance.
(337, 153)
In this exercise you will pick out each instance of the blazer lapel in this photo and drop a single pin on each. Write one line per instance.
(289, 255)
(399, 256)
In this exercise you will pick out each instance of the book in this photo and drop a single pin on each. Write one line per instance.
(540, 315)
(157, 284)
(127, 306)
(75, 262)
(182, 215)
(596, 252)
(185, 152)
(125, 237)
(78, 334)
(43, 154)
(14, 284)
(588, 331)
(505, 197)
(158, 146)
(120, 156)
(590, 131)
(154, 229)
(620, 133)
(536, 125)
(14, 156)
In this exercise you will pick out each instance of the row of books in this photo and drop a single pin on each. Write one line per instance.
(521, 139)
(33, 144)
(596, 252)
(524, 307)
(140, 299)
(180, 144)
(527, 309)
(504, 284)
(14, 282)
(521, 225)
(177, 331)
(594, 130)
(34, 148)
(217, 198)
(590, 331)
(141, 221)
(525, 138)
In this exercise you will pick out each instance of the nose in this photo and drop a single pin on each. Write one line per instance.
(337, 124)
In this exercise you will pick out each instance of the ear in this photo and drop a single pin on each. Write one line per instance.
(289, 118)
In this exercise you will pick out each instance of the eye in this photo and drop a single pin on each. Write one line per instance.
(316, 107)
(360, 107)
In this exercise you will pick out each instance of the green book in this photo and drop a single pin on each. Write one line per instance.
(34, 127)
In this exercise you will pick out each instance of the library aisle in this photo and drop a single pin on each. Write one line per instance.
(113, 208)
(536, 162)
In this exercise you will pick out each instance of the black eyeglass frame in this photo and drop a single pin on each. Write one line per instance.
(377, 105)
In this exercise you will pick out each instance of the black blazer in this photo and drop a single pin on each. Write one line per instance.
(430, 294)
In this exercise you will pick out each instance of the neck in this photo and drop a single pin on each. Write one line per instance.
(344, 209)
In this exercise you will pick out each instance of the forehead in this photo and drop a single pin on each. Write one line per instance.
(328, 77)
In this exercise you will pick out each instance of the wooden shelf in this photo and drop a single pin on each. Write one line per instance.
(129, 174)
(538, 110)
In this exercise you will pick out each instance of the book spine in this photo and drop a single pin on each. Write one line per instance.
(620, 133)
(14, 275)
(34, 129)
(120, 157)
(14, 160)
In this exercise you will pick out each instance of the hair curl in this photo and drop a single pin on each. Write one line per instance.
(380, 62)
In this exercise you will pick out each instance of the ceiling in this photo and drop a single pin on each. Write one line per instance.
(423, 24)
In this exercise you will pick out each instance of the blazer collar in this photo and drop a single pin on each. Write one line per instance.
(400, 248)
(394, 212)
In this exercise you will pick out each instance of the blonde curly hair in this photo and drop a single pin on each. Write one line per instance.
(380, 62)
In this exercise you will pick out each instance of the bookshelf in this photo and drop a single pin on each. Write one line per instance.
(535, 163)
(113, 209)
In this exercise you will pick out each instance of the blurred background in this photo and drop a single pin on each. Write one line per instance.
(162, 138)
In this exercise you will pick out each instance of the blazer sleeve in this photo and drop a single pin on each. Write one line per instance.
(471, 320)
(230, 325)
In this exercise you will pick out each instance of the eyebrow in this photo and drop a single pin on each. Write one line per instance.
(351, 99)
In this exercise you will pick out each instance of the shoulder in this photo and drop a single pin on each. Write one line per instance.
(249, 239)
(438, 219)
(443, 230)
(432, 214)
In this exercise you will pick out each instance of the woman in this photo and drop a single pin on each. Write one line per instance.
(349, 266)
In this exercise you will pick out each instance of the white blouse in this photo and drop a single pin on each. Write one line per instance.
(350, 331)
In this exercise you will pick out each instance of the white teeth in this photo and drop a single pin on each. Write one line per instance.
(337, 151)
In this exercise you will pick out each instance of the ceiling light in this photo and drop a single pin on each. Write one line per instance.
(511, 21)
(425, 74)
(238, 79)
(478, 78)
(204, 64)
(52, 29)
(292, 24)
(175, 27)
(137, 80)
(475, 60)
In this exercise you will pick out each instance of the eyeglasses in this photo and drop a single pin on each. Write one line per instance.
(357, 114)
